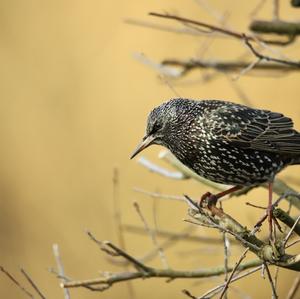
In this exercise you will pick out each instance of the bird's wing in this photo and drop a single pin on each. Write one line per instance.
(256, 129)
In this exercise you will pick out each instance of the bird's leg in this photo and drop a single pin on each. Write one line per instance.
(270, 209)
(269, 214)
(209, 200)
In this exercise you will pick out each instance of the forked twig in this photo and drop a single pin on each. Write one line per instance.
(232, 272)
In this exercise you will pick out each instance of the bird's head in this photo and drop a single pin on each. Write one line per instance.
(161, 123)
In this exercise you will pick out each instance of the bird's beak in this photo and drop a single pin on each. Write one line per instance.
(145, 143)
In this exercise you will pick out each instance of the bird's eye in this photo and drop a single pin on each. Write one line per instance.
(155, 128)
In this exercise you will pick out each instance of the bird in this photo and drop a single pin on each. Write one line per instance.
(224, 142)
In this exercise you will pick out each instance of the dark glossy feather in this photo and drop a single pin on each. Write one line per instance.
(256, 129)
(225, 142)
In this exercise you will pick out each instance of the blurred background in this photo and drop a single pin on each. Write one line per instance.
(73, 105)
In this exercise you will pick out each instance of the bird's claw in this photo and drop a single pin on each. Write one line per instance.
(208, 200)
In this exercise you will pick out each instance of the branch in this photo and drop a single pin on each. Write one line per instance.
(224, 66)
(173, 235)
(287, 220)
(271, 253)
(23, 289)
(214, 28)
(291, 63)
(275, 27)
(160, 170)
(219, 288)
(274, 294)
(32, 283)
(294, 288)
(60, 268)
(232, 273)
(159, 273)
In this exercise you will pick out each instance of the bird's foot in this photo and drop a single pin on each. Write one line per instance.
(208, 200)
(271, 219)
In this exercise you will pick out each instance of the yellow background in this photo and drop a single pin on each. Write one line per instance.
(73, 105)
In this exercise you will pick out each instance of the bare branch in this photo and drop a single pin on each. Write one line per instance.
(152, 235)
(151, 25)
(232, 272)
(291, 63)
(257, 8)
(274, 294)
(170, 234)
(275, 10)
(294, 288)
(226, 255)
(23, 289)
(118, 218)
(35, 287)
(159, 195)
(276, 27)
(214, 28)
(219, 288)
(60, 269)
(290, 232)
(287, 220)
(226, 66)
(160, 170)
(159, 273)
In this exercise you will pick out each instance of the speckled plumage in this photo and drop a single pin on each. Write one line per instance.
(225, 142)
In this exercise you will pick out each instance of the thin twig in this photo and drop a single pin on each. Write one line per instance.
(257, 8)
(23, 289)
(174, 235)
(232, 272)
(152, 235)
(155, 222)
(60, 269)
(219, 288)
(118, 220)
(128, 257)
(292, 243)
(275, 10)
(160, 170)
(151, 25)
(32, 283)
(117, 208)
(161, 273)
(290, 232)
(239, 91)
(291, 63)
(189, 294)
(255, 206)
(185, 66)
(215, 28)
(226, 254)
(247, 69)
(172, 238)
(276, 277)
(166, 81)
(294, 288)
(274, 294)
(159, 195)
(211, 11)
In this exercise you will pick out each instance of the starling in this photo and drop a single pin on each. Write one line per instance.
(224, 142)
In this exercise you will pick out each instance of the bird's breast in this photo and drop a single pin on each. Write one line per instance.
(223, 163)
